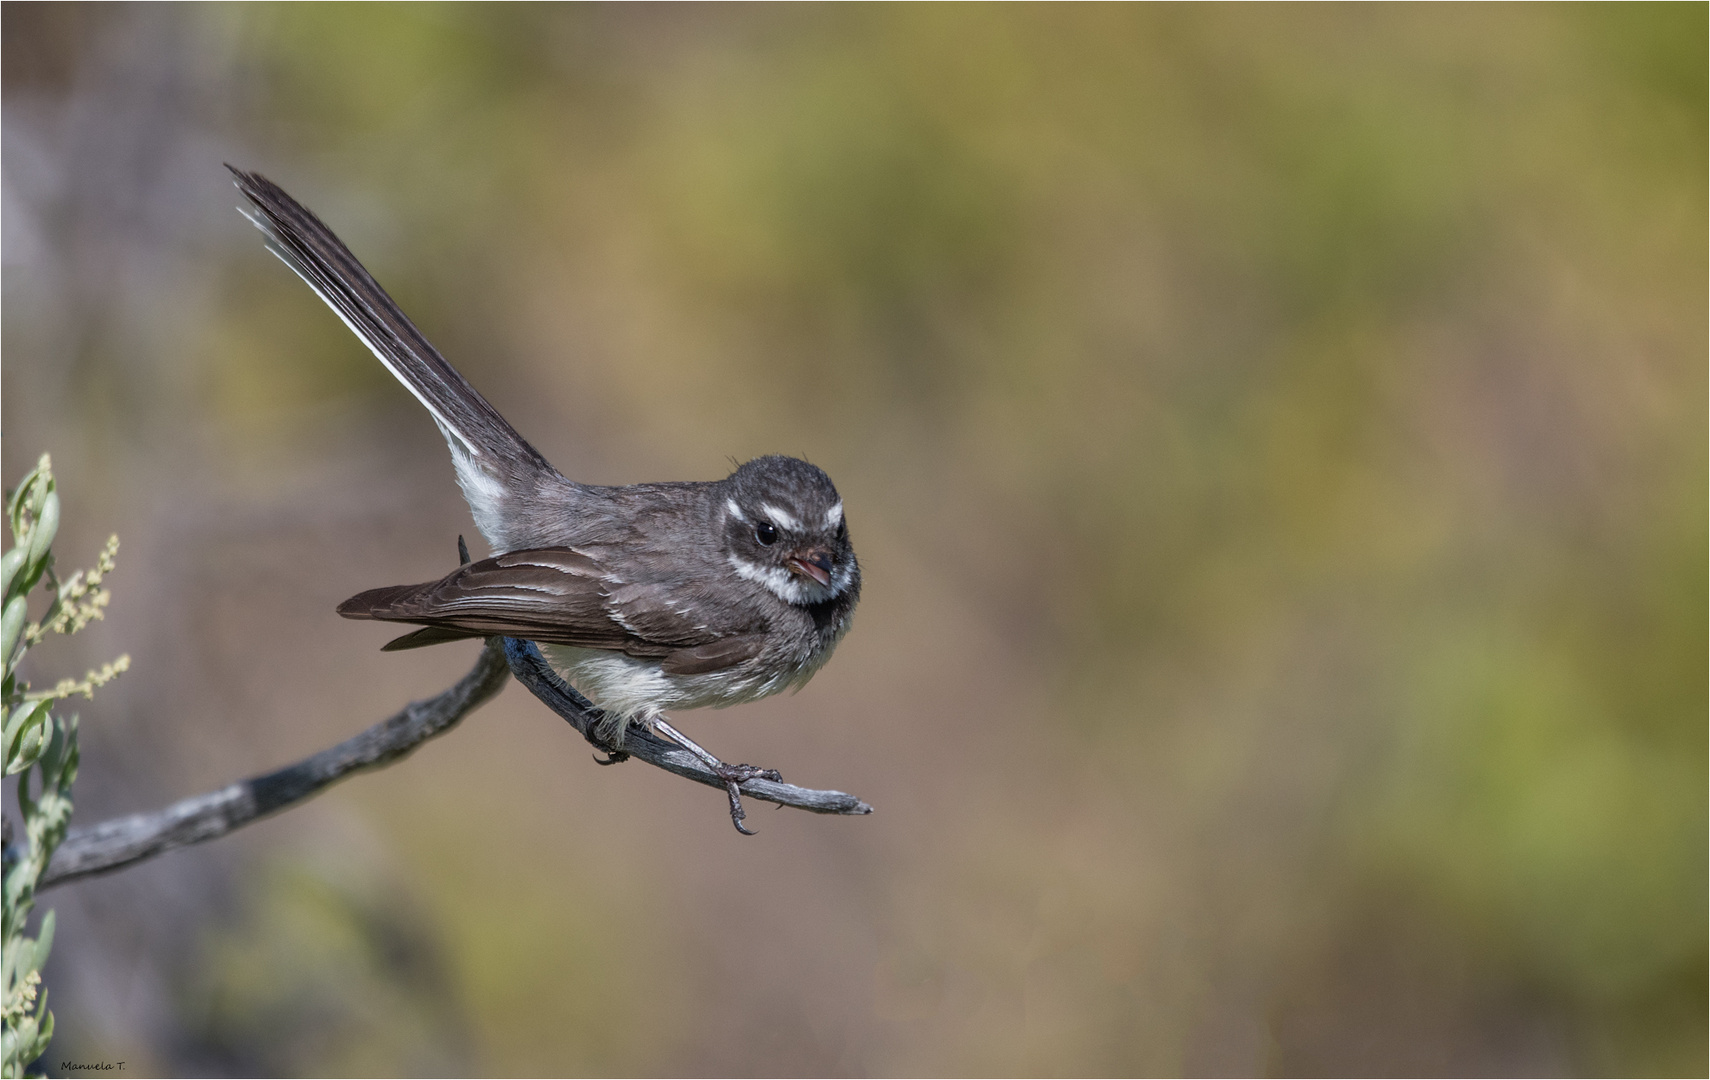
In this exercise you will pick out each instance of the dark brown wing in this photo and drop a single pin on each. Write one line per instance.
(713, 656)
(558, 596)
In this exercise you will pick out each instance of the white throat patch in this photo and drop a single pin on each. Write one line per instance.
(792, 588)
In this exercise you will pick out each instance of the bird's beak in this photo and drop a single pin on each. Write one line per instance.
(814, 563)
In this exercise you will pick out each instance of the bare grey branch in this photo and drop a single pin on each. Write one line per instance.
(120, 842)
(112, 845)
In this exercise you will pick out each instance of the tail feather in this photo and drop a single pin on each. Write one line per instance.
(398, 603)
(493, 462)
(387, 602)
(427, 635)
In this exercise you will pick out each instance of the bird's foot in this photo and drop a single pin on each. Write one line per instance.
(741, 774)
(608, 740)
(734, 776)
(606, 733)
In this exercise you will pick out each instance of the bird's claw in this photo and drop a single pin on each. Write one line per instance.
(734, 776)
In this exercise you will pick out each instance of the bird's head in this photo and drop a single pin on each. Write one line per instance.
(783, 527)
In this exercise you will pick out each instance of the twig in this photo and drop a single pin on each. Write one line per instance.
(112, 845)
(122, 841)
(532, 671)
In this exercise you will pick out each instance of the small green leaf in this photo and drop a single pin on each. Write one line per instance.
(44, 940)
(26, 1037)
(11, 625)
(51, 757)
(25, 496)
(25, 803)
(41, 536)
(46, 1035)
(13, 967)
(66, 758)
(24, 715)
(10, 563)
(26, 735)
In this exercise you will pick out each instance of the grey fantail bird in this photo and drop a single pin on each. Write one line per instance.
(646, 597)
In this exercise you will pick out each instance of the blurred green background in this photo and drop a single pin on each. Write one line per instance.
(1275, 438)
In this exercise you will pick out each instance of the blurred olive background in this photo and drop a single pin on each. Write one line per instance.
(1274, 438)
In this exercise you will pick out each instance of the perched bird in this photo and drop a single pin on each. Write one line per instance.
(646, 597)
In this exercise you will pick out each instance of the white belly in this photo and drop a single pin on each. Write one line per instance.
(636, 691)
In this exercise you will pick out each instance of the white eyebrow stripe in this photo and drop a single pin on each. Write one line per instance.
(735, 510)
(834, 515)
(782, 517)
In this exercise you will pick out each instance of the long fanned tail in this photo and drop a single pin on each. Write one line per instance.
(493, 462)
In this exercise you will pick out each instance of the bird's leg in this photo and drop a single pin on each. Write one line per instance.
(732, 775)
(606, 733)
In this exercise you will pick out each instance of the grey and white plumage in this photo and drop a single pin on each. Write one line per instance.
(647, 597)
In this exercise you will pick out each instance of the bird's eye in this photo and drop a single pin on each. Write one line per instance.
(766, 533)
